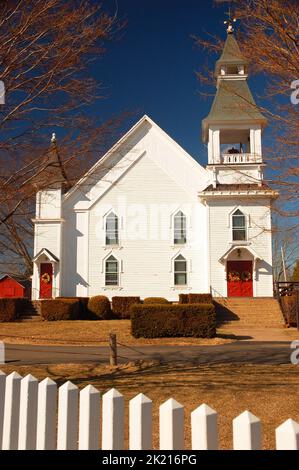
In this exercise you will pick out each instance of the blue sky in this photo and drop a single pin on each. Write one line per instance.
(152, 68)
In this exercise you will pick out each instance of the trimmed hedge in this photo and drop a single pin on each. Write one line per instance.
(59, 309)
(183, 299)
(121, 306)
(200, 298)
(99, 308)
(83, 306)
(12, 308)
(155, 300)
(195, 299)
(161, 321)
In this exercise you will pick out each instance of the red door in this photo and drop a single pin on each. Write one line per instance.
(239, 279)
(46, 281)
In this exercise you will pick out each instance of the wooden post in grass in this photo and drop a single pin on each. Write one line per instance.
(113, 349)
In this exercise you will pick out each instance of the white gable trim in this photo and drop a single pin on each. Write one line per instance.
(114, 178)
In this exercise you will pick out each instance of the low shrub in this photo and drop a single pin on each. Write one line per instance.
(173, 320)
(183, 299)
(59, 309)
(121, 306)
(155, 300)
(8, 310)
(195, 299)
(83, 306)
(12, 308)
(99, 308)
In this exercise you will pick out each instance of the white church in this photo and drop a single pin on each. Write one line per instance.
(149, 220)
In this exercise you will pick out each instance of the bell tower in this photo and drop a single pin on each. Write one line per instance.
(233, 128)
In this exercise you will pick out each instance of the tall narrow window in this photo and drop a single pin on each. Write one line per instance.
(239, 226)
(112, 229)
(180, 271)
(111, 271)
(180, 233)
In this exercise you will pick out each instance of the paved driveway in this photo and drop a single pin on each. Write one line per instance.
(239, 352)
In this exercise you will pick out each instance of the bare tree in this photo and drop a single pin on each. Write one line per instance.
(46, 50)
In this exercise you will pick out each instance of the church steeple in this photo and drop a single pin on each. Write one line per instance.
(234, 124)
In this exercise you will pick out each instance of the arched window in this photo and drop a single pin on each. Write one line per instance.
(111, 271)
(239, 226)
(180, 271)
(111, 229)
(180, 232)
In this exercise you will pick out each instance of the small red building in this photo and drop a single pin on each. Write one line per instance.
(9, 287)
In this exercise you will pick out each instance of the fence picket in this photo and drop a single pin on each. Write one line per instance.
(140, 423)
(171, 425)
(287, 436)
(247, 431)
(67, 417)
(89, 419)
(113, 420)
(29, 418)
(46, 415)
(2, 397)
(11, 412)
(28, 413)
(204, 428)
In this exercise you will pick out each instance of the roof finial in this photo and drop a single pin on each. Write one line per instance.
(53, 138)
(230, 22)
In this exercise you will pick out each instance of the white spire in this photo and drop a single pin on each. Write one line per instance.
(53, 138)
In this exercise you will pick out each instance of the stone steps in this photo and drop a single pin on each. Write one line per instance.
(249, 313)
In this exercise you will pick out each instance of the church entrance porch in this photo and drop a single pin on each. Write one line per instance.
(239, 278)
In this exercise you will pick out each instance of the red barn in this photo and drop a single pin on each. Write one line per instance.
(9, 287)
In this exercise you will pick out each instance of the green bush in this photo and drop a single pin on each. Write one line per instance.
(121, 306)
(83, 306)
(59, 309)
(183, 299)
(173, 320)
(99, 308)
(155, 300)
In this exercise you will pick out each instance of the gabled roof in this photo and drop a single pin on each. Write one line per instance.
(231, 54)
(52, 174)
(122, 148)
(233, 102)
(21, 283)
(47, 253)
(236, 247)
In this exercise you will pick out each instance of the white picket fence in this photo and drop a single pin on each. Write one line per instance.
(31, 417)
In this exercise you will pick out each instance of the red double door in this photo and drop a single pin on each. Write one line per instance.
(46, 281)
(239, 279)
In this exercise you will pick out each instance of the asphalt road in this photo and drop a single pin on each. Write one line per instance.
(249, 353)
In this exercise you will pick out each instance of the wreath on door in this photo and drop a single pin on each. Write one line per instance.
(233, 276)
(46, 278)
(246, 276)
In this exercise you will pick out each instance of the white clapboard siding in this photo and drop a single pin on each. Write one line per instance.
(31, 417)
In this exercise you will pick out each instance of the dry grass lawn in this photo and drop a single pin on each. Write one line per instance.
(85, 333)
(271, 392)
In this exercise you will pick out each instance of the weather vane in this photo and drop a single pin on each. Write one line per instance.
(230, 22)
